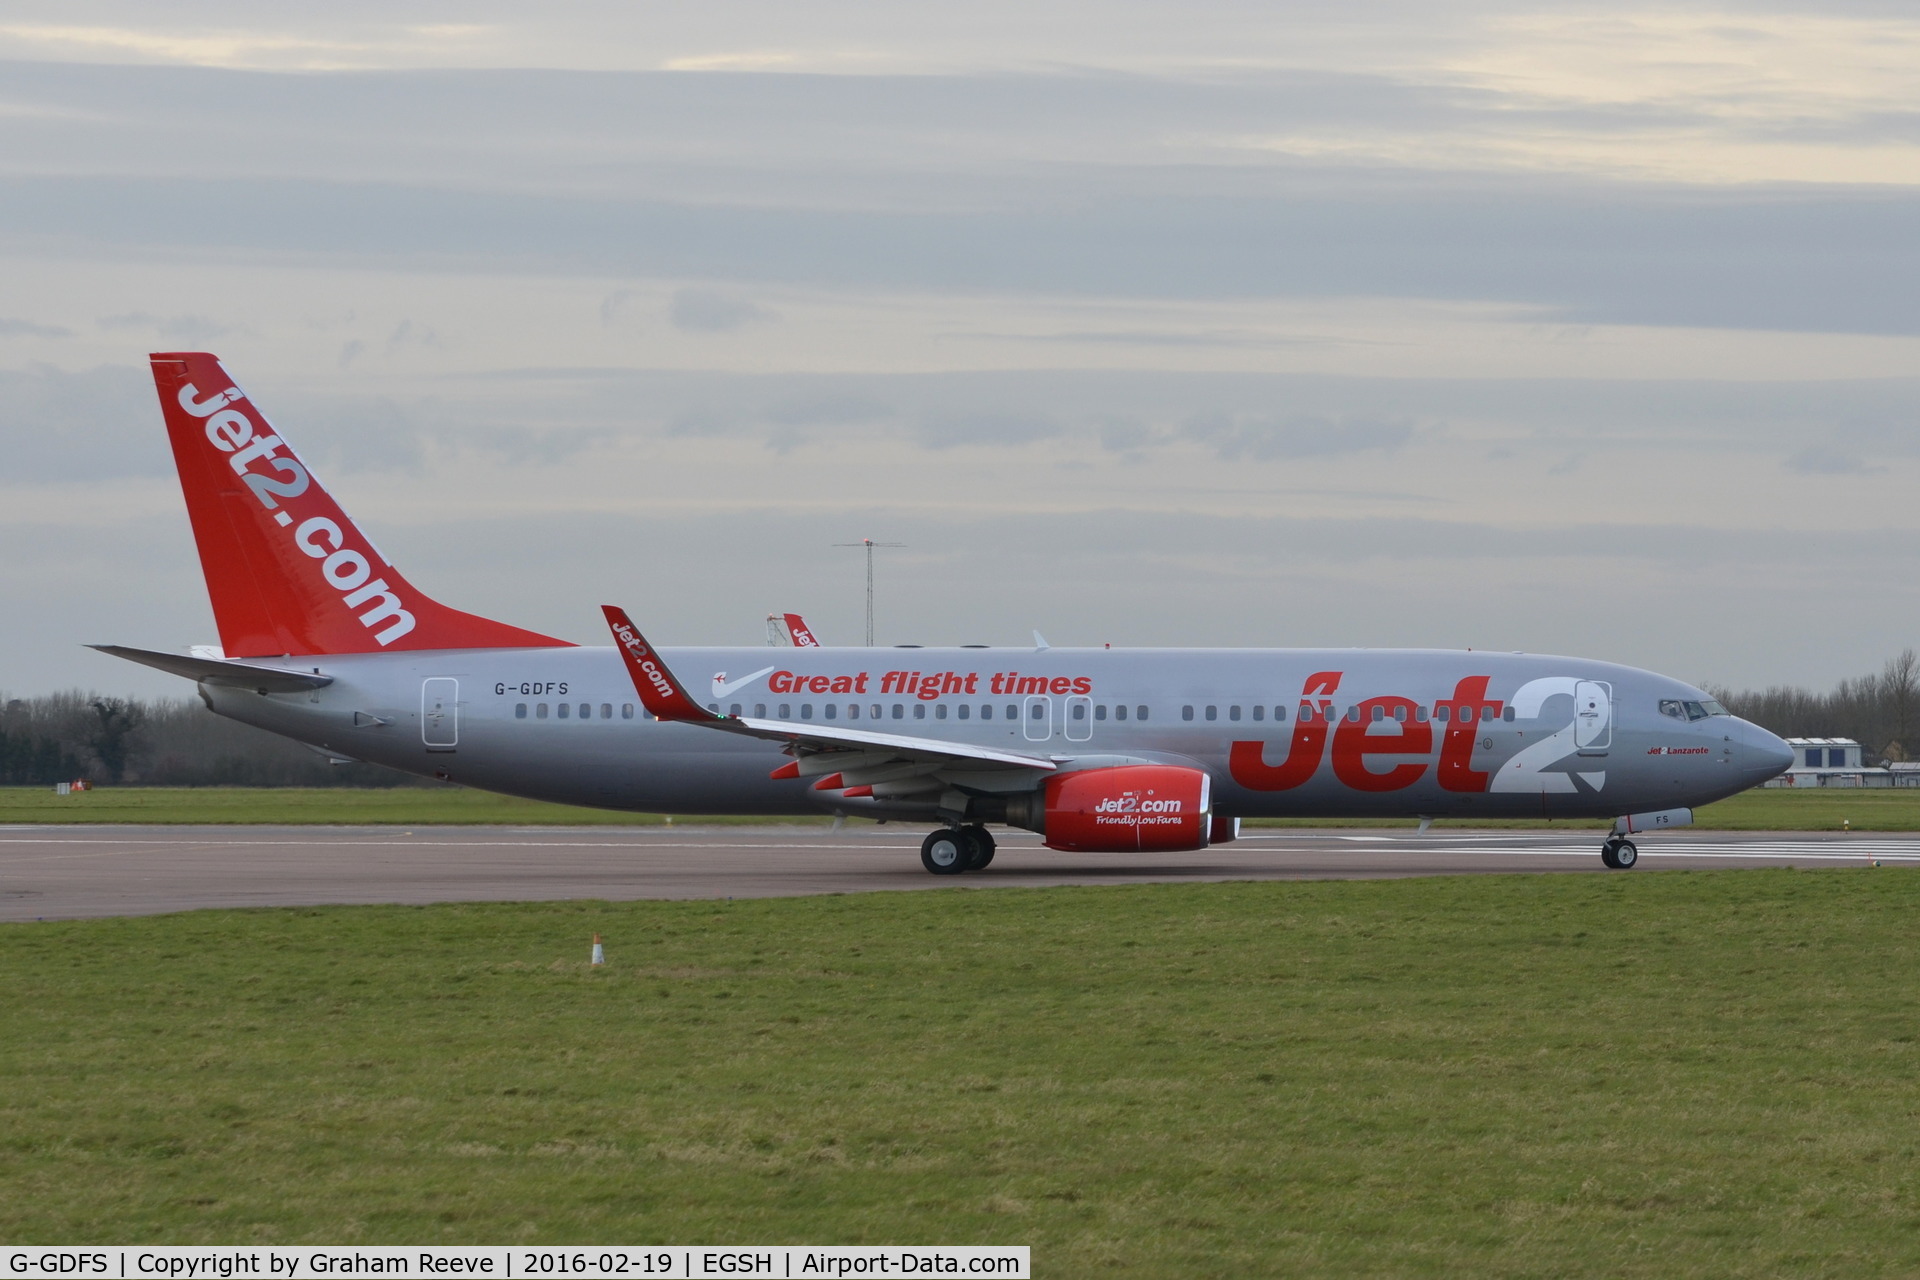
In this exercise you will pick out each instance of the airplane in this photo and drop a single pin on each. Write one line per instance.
(324, 641)
(802, 634)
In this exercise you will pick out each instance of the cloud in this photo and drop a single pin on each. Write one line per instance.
(1264, 439)
(29, 329)
(712, 311)
(1823, 460)
(972, 430)
(191, 329)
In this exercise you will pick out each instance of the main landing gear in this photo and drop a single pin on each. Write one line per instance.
(1618, 853)
(952, 850)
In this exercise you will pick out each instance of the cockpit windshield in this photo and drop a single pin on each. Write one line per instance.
(1681, 709)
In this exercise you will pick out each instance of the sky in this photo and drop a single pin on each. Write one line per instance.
(1560, 328)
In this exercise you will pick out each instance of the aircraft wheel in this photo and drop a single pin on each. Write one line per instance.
(946, 852)
(1618, 855)
(982, 841)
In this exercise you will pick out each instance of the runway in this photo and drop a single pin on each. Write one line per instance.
(72, 872)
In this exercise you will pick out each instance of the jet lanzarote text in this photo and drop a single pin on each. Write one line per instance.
(1099, 750)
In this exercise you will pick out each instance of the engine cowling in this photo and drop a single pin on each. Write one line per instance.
(1128, 808)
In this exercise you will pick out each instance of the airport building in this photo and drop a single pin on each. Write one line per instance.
(1836, 762)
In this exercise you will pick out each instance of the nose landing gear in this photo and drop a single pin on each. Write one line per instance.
(953, 850)
(1618, 854)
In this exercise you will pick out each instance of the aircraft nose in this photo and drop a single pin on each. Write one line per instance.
(1766, 755)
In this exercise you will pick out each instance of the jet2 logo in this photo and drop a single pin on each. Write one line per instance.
(346, 569)
(1404, 743)
(1133, 802)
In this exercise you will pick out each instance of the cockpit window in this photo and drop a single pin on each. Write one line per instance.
(1682, 710)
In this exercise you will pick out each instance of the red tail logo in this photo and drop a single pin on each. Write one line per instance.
(287, 570)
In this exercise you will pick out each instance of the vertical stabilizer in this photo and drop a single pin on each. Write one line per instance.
(287, 569)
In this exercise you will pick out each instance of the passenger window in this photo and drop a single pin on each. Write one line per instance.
(1400, 714)
(963, 711)
(1039, 711)
(1306, 713)
(1259, 713)
(1120, 712)
(986, 711)
(1442, 713)
(1079, 711)
(1279, 713)
(759, 711)
(1100, 712)
(1486, 715)
(1420, 713)
(586, 710)
(832, 712)
(519, 711)
(606, 711)
(1140, 713)
(1379, 713)
(734, 710)
(565, 709)
(853, 711)
(540, 712)
(899, 712)
(806, 711)
(939, 711)
(919, 711)
(1013, 712)
(711, 706)
(786, 711)
(873, 712)
(1213, 713)
(1507, 714)
(1186, 713)
(1353, 714)
(626, 711)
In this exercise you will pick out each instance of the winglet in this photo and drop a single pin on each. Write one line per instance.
(663, 696)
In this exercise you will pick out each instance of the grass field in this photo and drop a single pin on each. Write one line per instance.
(1673, 1074)
(1770, 810)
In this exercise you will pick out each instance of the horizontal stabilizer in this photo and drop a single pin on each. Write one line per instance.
(238, 675)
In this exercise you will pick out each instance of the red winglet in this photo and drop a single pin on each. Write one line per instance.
(857, 791)
(801, 633)
(832, 782)
(660, 693)
(791, 769)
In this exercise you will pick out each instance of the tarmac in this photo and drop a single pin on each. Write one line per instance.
(76, 872)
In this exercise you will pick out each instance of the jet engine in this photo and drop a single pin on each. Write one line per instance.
(1120, 809)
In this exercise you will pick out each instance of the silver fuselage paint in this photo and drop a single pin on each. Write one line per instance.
(1540, 762)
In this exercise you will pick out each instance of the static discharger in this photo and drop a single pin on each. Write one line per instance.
(599, 952)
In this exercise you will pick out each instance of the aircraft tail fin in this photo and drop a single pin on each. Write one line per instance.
(287, 570)
(802, 634)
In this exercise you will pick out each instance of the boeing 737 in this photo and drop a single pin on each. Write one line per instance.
(1102, 750)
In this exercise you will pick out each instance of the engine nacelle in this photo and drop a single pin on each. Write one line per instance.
(1128, 808)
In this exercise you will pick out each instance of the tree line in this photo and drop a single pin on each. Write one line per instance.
(1880, 711)
(161, 742)
(177, 742)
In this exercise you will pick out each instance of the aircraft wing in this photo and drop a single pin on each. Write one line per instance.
(240, 675)
(665, 698)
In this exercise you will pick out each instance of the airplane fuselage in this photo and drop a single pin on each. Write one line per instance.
(1282, 732)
